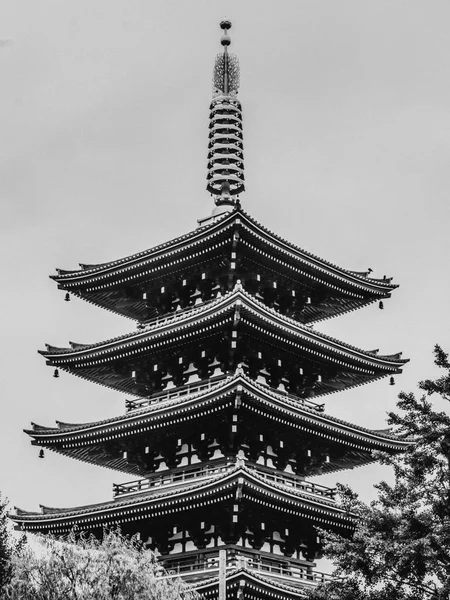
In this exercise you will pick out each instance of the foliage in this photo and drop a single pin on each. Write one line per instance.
(82, 567)
(5, 545)
(8, 546)
(400, 549)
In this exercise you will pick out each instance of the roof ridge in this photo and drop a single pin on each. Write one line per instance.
(63, 273)
(116, 503)
(310, 255)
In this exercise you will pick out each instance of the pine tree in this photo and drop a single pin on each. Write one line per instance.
(400, 549)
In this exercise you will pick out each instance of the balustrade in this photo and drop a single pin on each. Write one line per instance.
(178, 392)
(167, 478)
(206, 384)
(207, 562)
(176, 477)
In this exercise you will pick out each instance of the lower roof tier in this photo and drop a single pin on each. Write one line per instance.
(232, 245)
(249, 574)
(256, 581)
(233, 501)
(219, 419)
(230, 330)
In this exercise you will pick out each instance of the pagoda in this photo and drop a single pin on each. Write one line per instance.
(225, 377)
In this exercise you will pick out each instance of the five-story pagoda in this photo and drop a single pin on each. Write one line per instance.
(226, 422)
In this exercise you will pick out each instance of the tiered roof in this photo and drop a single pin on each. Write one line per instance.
(119, 285)
(261, 582)
(254, 488)
(164, 416)
(99, 362)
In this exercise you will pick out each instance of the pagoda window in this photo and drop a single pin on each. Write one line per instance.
(270, 451)
(263, 377)
(170, 384)
(161, 467)
(186, 455)
(195, 459)
(217, 454)
(276, 536)
(276, 549)
(189, 546)
(181, 542)
(178, 547)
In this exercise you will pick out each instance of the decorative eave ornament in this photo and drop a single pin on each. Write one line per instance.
(225, 150)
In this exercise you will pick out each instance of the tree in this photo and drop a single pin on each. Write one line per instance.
(8, 546)
(5, 546)
(400, 549)
(84, 568)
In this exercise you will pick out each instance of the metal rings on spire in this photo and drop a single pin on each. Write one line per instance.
(225, 150)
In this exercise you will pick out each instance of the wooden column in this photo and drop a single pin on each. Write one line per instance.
(222, 575)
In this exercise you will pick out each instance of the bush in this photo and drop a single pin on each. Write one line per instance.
(84, 568)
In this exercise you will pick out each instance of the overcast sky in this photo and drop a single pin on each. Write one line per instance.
(103, 129)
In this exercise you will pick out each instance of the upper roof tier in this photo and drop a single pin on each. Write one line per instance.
(225, 332)
(231, 246)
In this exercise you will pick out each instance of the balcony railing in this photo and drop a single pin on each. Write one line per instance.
(168, 478)
(206, 564)
(299, 484)
(206, 384)
(183, 390)
(177, 477)
(170, 316)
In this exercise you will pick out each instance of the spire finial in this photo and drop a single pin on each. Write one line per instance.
(225, 40)
(225, 155)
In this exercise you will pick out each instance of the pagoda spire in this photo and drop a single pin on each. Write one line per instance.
(225, 149)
